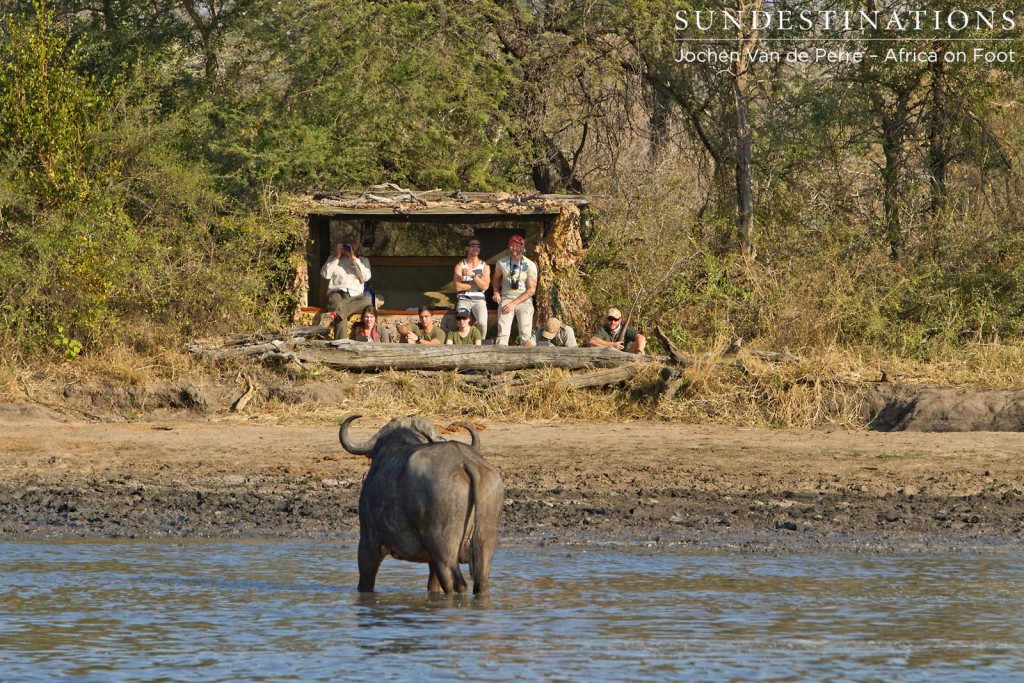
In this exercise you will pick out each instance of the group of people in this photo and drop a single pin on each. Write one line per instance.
(513, 281)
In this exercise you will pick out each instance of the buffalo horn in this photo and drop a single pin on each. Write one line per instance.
(346, 442)
(472, 433)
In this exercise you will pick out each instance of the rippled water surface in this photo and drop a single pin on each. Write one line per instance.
(288, 611)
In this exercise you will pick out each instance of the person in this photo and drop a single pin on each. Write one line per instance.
(514, 281)
(472, 278)
(423, 332)
(615, 335)
(346, 274)
(367, 330)
(464, 334)
(555, 333)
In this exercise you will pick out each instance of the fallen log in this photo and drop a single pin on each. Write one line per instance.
(240, 351)
(584, 380)
(687, 360)
(670, 380)
(602, 378)
(255, 344)
(377, 357)
(675, 354)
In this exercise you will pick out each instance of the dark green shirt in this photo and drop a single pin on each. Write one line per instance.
(436, 333)
(470, 339)
(605, 334)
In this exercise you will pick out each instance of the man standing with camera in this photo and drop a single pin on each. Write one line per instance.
(346, 276)
(514, 282)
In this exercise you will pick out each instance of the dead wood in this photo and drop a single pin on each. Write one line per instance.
(239, 351)
(602, 378)
(377, 357)
(242, 401)
(730, 353)
(670, 381)
(675, 354)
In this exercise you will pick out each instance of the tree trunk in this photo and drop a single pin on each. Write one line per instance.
(893, 128)
(208, 32)
(661, 106)
(744, 137)
(938, 157)
(744, 183)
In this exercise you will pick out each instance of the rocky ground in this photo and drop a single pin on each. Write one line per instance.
(646, 483)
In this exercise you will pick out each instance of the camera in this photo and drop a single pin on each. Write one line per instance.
(347, 247)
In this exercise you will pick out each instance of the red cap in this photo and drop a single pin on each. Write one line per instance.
(516, 239)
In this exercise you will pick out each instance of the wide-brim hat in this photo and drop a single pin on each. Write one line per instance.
(551, 328)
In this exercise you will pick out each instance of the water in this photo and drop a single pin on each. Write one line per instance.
(288, 611)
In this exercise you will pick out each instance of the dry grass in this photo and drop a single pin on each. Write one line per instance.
(538, 395)
(821, 389)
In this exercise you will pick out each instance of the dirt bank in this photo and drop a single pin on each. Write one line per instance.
(643, 483)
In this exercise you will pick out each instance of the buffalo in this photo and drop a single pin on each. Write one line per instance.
(425, 499)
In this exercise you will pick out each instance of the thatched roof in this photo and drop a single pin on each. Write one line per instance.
(390, 200)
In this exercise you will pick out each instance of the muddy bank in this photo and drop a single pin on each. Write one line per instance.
(637, 483)
(883, 406)
(894, 407)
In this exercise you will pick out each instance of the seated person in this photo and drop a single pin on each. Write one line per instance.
(555, 333)
(464, 334)
(347, 275)
(367, 330)
(423, 332)
(613, 334)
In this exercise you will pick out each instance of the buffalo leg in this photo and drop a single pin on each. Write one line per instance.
(444, 566)
(458, 579)
(480, 567)
(433, 585)
(370, 556)
(440, 577)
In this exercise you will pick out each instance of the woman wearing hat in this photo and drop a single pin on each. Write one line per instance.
(463, 334)
(514, 282)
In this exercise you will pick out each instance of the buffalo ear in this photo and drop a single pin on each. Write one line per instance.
(348, 444)
(425, 429)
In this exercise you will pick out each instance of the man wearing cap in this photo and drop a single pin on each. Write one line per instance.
(463, 334)
(613, 334)
(472, 278)
(514, 282)
(346, 275)
(555, 333)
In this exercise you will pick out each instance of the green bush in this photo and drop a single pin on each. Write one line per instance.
(106, 228)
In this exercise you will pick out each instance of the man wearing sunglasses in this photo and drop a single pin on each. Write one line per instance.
(514, 282)
(472, 278)
(614, 334)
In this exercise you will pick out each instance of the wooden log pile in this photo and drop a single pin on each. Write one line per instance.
(304, 345)
(376, 357)
(592, 366)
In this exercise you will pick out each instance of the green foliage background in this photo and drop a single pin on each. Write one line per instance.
(148, 150)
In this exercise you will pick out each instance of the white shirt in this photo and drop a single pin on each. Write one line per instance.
(515, 274)
(345, 274)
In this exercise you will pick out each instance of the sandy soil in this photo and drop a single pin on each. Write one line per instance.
(638, 483)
